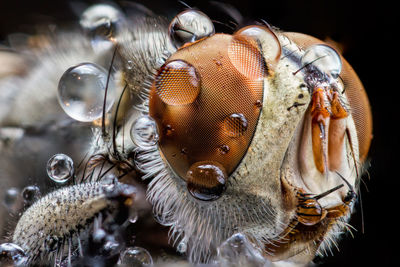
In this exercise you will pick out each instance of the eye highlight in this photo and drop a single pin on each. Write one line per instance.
(204, 100)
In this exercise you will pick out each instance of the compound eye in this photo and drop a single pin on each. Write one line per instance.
(324, 58)
(266, 40)
(206, 100)
(189, 26)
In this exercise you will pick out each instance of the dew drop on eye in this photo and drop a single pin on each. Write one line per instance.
(178, 83)
(144, 132)
(324, 58)
(81, 92)
(235, 124)
(60, 168)
(206, 180)
(135, 256)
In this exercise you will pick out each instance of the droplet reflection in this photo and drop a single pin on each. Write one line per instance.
(135, 256)
(144, 132)
(60, 168)
(324, 58)
(81, 92)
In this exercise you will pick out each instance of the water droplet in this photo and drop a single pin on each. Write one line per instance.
(235, 124)
(60, 168)
(135, 256)
(168, 130)
(184, 151)
(178, 83)
(133, 215)
(11, 199)
(223, 149)
(206, 180)
(81, 92)
(324, 58)
(182, 247)
(164, 219)
(144, 132)
(30, 194)
(189, 26)
(102, 21)
(267, 39)
(258, 104)
(239, 251)
(12, 254)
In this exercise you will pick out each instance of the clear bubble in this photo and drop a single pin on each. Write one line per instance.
(12, 254)
(239, 251)
(189, 26)
(144, 132)
(60, 168)
(135, 256)
(81, 92)
(324, 58)
(102, 21)
(182, 247)
(30, 194)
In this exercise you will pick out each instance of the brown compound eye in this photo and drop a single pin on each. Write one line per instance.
(206, 100)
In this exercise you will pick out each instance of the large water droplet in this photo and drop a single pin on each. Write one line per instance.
(60, 168)
(12, 254)
(324, 58)
(135, 256)
(269, 42)
(144, 132)
(81, 92)
(178, 83)
(189, 26)
(235, 125)
(206, 180)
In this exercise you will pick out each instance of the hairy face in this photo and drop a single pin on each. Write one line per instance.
(254, 139)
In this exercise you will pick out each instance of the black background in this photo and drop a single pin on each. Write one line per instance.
(367, 30)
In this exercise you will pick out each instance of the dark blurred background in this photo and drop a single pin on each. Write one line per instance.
(365, 30)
